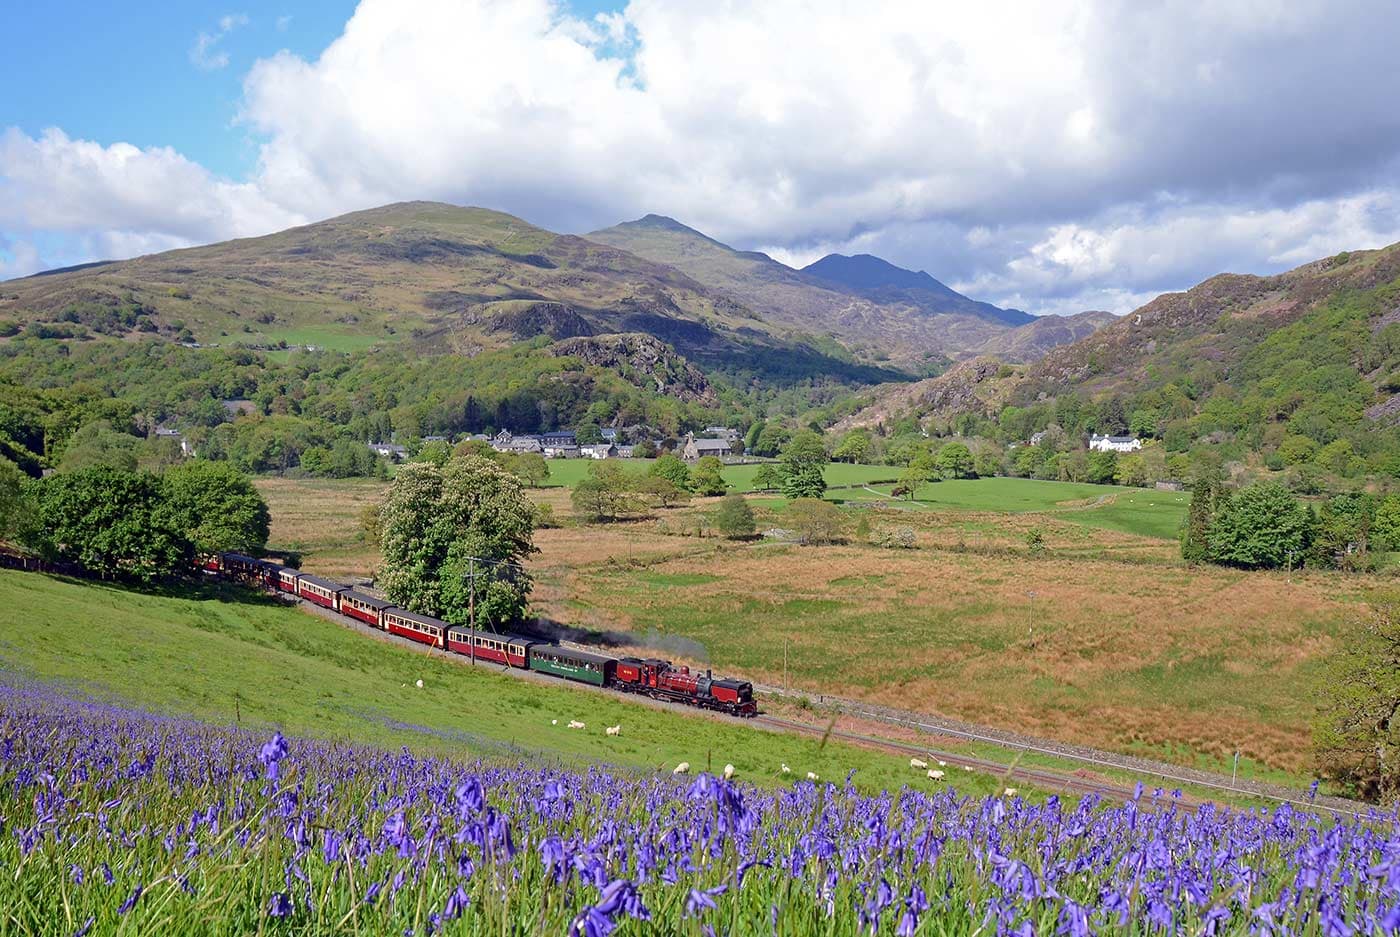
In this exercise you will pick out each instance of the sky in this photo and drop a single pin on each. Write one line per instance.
(1054, 155)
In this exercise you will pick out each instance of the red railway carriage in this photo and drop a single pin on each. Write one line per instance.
(287, 579)
(323, 592)
(484, 645)
(413, 626)
(211, 563)
(249, 569)
(365, 608)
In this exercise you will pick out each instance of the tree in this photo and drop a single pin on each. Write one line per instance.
(1132, 471)
(671, 468)
(1102, 468)
(921, 470)
(452, 534)
(99, 444)
(437, 452)
(771, 440)
(1385, 530)
(816, 521)
(853, 446)
(733, 518)
(15, 510)
(588, 434)
(1295, 450)
(1258, 527)
(707, 478)
(605, 494)
(803, 461)
(1206, 491)
(661, 491)
(1356, 731)
(111, 522)
(645, 449)
(530, 467)
(768, 477)
(217, 507)
(1341, 536)
(954, 460)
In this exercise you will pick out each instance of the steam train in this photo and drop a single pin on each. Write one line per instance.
(652, 677)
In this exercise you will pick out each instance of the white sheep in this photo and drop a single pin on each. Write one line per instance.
(614, 730)
(419, 684)
(728, 772)
(786, 769)
(967, 767)
(1009, 792)
(943, 764)
(682, 768)
(918, 763)
(935, 774)
(575, 724)
(554, 722)
(813, 776)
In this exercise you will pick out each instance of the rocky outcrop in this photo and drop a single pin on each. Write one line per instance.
(643, 360)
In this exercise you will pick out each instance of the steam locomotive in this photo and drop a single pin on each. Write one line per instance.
(652, 677)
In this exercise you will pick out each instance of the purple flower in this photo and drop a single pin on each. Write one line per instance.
(272, 752)
(131, 900)
(280, 905)
(698, 902)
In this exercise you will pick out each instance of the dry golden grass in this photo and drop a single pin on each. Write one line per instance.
(1105, 640)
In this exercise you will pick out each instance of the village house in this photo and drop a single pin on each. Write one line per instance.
(1114, 443)
(602, 450)
(696, 449)
(165, 432)
(721, 432)
(1037, 438)
(609, 433)
(559, 445)
(389, 450)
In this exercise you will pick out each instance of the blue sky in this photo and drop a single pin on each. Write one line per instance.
(1052, 155)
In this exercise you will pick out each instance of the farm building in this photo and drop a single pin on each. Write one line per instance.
(697, 448)
(1114, 443)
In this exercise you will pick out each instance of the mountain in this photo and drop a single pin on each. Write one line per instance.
(1238, 360)
(436, 276)
(884, 282)
(1034, 340)
(913, 321)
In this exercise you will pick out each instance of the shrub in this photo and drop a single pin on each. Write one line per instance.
(816, 521)
(733, 518)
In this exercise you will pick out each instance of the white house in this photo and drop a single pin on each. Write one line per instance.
(389, 450)
(721, 432)
(1114, 443)
(602, 450)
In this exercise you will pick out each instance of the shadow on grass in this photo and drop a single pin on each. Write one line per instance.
(195, 590)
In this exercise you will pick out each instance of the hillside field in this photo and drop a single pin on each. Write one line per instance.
(1106, 639)
(229, 655)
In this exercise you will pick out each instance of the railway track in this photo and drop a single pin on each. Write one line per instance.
(1053, 781)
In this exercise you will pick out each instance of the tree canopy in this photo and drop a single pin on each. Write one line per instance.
(803, 461)
(217, 506)
(444, 529)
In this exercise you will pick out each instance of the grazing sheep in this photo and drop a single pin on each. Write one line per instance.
(614, 730)
(419, 684)
(1009, 792)
(943, 764)
(813, 776)
(728, 772)
(682, 768)
(575, 724)
(967, 767)
(554, 722)
(786, 769)
(918, 763)
(935, 774)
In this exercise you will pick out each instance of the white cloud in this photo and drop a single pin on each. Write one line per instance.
(206, 54)
(1037, 154)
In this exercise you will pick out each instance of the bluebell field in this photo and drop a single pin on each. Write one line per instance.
(114, 821)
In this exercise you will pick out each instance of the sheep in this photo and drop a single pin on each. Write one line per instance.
(575, 724)
(918, 763)
(554, 722)
(614, 730)
(943, 764)
(1009, 792)
(728, 772)
(682, 768)
(813, 776)
(419, 684)
(935, 775)
(786, 769)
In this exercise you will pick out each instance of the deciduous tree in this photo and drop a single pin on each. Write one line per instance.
(733, 518)
(217, 507)
(1261, 526)
(112, 522)
(1356, 732)
(707, 478)
(803, 462)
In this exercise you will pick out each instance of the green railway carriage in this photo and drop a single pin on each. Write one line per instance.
(572, 665)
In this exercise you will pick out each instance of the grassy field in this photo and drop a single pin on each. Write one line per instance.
(229, 656)
(569, 472)
(1106, 639)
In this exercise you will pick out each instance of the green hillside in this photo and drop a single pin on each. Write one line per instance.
(436, 277)
(231, 656)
